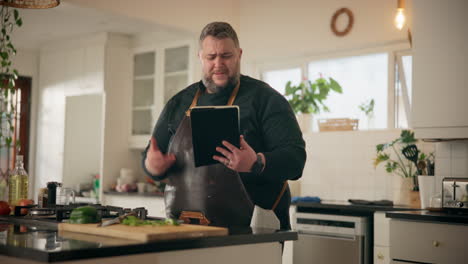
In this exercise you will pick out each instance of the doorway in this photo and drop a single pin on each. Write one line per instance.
(21, 100)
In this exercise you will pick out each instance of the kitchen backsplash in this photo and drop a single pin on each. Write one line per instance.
(340, 165)
(451, 161)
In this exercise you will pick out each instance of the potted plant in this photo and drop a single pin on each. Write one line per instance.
(396, 162)
(309, 97)
(368, 109)
(9, 19)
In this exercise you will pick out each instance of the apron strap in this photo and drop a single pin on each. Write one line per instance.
(197, 95)
(280, 195)
(194, 102)
(234, 94)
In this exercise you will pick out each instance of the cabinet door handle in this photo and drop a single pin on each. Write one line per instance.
(380, 256)
(436, 243)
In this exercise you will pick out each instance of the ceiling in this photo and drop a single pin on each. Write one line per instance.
(42, 26)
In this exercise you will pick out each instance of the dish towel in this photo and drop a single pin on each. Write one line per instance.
(308, 199)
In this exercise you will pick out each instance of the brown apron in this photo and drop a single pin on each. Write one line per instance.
(214, 194)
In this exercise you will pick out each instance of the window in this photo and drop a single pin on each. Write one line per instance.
(367, 80)
(362, 78)
(278, 79)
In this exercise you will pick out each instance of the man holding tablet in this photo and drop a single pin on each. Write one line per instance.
(271, 150)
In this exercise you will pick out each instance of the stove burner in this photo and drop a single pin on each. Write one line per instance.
(61, 212)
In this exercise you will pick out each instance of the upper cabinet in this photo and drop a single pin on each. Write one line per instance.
(176, 70)
(440, 67)
(144, 65)
(158, 74)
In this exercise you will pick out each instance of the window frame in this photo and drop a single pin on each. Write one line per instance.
(404, 85)
(392, 50)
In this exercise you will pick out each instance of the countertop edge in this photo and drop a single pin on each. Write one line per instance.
(148, 247)
(428, 217)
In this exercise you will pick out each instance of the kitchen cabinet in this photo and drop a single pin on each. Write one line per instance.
(428, 242)
(158, 74)
(381, 238)
(440, 82)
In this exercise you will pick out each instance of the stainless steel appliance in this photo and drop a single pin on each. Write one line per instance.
(58, 213)
(455, 193)
(330, 239)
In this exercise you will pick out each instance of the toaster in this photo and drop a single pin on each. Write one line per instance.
(455, 193)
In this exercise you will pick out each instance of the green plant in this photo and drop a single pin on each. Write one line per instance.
(367, 108)
(398, 165)
(9, 19)
(308, 97)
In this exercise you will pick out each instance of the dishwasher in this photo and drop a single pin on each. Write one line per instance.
(331, 239)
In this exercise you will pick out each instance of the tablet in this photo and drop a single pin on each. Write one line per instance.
(210, 126)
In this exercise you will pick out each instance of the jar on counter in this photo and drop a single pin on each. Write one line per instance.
(42, 198)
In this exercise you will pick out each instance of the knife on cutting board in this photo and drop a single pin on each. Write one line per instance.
(116, 220)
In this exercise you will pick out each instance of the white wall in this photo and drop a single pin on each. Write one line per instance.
(271, 29)
(182, 14)
(66, 69)
(340, 165)
(276, 30)
(451, 161)
(118, 88)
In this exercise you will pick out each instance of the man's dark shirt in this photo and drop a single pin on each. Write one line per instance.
(268, 125)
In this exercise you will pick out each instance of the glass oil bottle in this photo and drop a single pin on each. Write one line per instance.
(17, 183)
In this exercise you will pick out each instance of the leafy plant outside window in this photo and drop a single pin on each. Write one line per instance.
(308, 97)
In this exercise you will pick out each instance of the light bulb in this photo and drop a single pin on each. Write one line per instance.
(400, 19)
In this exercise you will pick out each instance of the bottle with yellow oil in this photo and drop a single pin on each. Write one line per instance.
(17, 182)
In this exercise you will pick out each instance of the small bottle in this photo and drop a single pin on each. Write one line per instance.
(18, 182)
(96, 185)
(42, 198)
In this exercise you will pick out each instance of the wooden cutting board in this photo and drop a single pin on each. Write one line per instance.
(146, 233)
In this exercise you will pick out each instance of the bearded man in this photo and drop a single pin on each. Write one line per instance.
(271, 150)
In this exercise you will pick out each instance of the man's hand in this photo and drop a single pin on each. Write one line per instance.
(156, 162)
(240, 160)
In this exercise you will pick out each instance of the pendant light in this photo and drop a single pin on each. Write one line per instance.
(400, 15)
(31, 4)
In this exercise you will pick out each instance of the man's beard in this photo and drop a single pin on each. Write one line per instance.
(213, 88)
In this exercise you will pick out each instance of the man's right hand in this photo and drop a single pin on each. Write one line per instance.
(156, 162)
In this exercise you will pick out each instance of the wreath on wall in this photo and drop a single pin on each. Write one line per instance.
(348, 27)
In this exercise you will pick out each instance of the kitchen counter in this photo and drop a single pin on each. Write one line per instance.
(44, 243)
(443, 217)
(148, 194)
(345, 208)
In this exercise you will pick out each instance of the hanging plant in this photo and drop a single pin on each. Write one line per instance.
(9, 20)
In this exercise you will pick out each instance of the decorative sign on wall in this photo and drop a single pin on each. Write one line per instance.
(349, 26)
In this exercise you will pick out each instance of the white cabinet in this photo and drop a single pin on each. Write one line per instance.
(428, 242)
(143, 92)
(381, 238)
(154, 204)
(158, 74)
(440, 82)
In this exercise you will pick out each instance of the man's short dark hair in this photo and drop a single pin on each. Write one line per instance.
(219, 30)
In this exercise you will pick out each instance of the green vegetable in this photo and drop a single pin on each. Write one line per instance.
(135, 221)
(84, 215)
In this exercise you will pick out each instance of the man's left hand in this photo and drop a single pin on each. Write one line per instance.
(237, 159)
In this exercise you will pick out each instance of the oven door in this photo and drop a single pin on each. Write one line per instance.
(328, 249)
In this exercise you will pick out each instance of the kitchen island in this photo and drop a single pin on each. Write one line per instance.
(28, 243)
